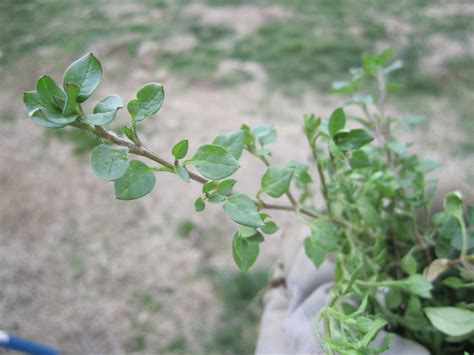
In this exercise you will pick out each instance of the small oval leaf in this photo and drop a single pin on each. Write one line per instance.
(245, 252)
(109, 162)
(180, 149)
(137, 181)
(86, 73)
(214, 162)
(276, 180)
(233, 142)
(242, 210)
(149, 100)
(452, 321)
(105, 111)
(337, 121)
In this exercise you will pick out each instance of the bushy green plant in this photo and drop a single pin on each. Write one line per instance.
(408, 272)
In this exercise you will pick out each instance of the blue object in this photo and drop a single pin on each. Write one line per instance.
(16, 343)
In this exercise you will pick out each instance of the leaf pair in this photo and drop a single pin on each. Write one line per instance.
(149, 100)
(132, 179)
(346, 140)
(218, 160)
(52, 107)
(244, 252)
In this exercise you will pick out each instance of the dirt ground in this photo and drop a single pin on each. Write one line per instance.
(90, 274)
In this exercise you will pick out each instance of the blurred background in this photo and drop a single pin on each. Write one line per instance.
(90, 274)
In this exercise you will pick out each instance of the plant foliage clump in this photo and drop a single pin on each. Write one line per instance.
(398, 267)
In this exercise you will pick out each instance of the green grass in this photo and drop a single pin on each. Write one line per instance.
(185, 228)
(235, 77)
(293, 50)
(28, 26)
(201, 61)
(196, 64)
(177, 346)
(206, 33)
(238, 324)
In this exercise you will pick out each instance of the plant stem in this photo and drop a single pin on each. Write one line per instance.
(327, 333)
(322, 178)
(269, 206)
(464, 240)
(145, 152)
(132, 147)
(420, 240)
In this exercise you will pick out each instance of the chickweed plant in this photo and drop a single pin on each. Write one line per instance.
(398, 266)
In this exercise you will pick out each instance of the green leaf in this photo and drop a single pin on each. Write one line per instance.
(427, 165)
(180, 149)
(453, 204)
(456, 283)
(265, 134)
(416, 284)
(419, 285)
(225, 187)
(182, 173)
(216, 198)
(105, 111)
(344, 87)
(408, 264)
(257, 238)
(233, 142)
(47, 89)
(137, 181)
(397, 147)
(249, 137)
(245, 252)
(208, 186)
(301, 176)
(408, 121)
(86, 73)
(314, 252)
(353, 139)
(362, 99)
(368, 212)
(371, 63)
(452, 321)
(31, 101)
(324, 234)
(270, 227)
(246, 232)
(199, 204)
(129, 133)
(335, 151)
(72, 92)
(470, 215)
(359, 160)
(311, 125)
(109, 162)
(276, 180)
(393, 299)
(376, 325)
(214, 162)
(242, 210)
(337, 121)
(50, 119)
(149, 100)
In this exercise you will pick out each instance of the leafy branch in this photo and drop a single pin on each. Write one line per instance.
(373, 194)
